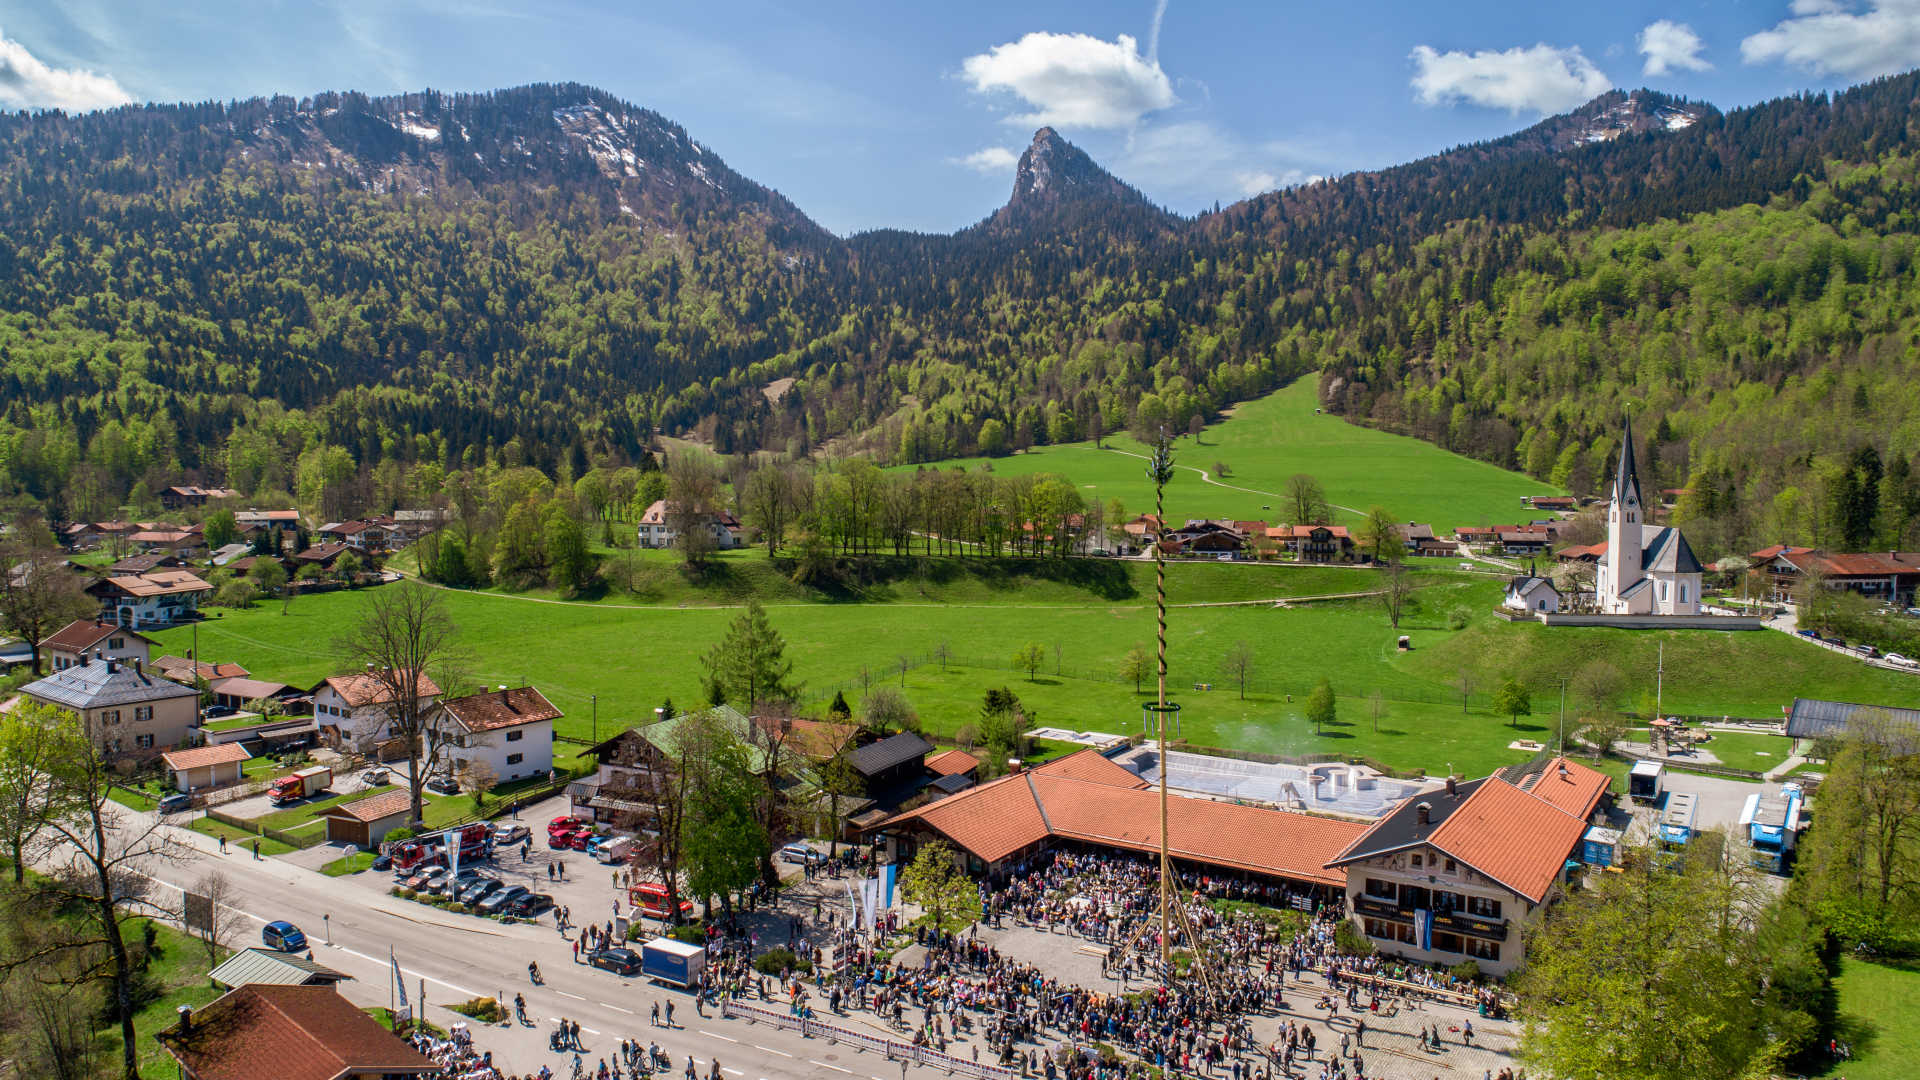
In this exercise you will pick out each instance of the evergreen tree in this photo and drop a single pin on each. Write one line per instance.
(749, 665)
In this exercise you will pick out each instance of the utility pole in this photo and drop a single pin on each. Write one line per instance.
(1660, 684)
(1563, 714)
(596, 719)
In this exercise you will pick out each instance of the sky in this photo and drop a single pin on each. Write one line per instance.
(885, 115)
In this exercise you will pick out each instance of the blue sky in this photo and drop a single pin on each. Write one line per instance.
(874, 115)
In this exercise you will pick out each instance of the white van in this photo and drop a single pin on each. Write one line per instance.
(614, 850)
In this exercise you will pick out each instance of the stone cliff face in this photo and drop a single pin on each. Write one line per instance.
(1054, 172)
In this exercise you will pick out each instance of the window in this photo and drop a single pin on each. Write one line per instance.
(1482, 907)
(1448, 901)
(1384, 890)
(1416, 862)
(1483, 950)
(1381, 928)
(1446, 943)
(1663, 592)
(110, 716)
(515, 736)
(515, 759)
(1451, 868)
(1683, 592)
(116, 643)
(143, 712)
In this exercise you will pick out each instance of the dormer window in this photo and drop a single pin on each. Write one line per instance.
(1416, 862)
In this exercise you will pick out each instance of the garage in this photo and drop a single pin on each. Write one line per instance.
(364, 822)
(205, 766)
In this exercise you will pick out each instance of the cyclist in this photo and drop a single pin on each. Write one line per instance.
(533, 972)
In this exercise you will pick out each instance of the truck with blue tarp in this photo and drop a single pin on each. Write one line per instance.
(1676, 820)
(1773, 825)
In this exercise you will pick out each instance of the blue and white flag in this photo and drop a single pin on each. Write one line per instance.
(1423, 928)
(452, 843)
(399, 980)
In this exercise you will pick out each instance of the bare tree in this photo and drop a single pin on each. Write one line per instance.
(39, 594)
(1306, 499)
(1238, 665)
(1377, 707)
(224, 921)
(943, 652)
(477, 777)
(903, 664)
(693, 494)
(104, 881)
(1466, 682)
(768, 502)
(837, 779)
(1396, 591)
(404, 633)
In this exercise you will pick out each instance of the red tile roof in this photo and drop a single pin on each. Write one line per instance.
(202, 756)
(1088, 798)
(951, 762)
(83, 635)
(364, 689)
(496, 709)
(288, 1033)
(373, 807)
(1567, 785)
(1510, 836)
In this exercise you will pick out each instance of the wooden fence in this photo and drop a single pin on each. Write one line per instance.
(258, 829)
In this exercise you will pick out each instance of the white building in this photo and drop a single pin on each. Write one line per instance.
(96, 638)
(158, 598)
(1647, 569)
(510, 729)
(1532, 594)
(657, 531)
(355, 711)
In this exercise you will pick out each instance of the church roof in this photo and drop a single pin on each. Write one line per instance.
(1625, 472)
(1667, 552)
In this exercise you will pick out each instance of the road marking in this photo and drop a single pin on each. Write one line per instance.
(711, 1035)
(589, 1031)
(616, 1008)
(835, 1068)
(407, 971)
(575, 997)
(770, 1050)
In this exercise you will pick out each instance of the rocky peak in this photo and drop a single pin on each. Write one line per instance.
(1053, 171)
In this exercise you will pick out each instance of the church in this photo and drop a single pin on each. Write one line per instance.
(1647, 569)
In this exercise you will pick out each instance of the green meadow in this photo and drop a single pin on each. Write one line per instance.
(1264, 442)
(632, 656)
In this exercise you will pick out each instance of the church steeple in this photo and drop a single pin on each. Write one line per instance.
(1626, 478)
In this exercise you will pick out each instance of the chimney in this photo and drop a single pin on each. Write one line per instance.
(1015, 765)
(1453, 790)
(1420, 812)
(503, 693)
(186, 1020)
(138, 667)
(83, 659)
(369, 669)
(113, 666)
(1563, 773)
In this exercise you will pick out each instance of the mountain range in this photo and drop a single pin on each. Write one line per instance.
(550, 276)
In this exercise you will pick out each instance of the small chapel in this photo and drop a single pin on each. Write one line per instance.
(1647, 569)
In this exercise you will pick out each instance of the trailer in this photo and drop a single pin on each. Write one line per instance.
(670, 961)
(1647, 781)
(1600, 847)
(1773, 826)
(1676, 821)
(304, 784)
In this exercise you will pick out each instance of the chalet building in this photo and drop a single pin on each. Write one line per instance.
(1315, 543)
(159, 598)
(1887, 577)
(1452, 875)
(96, 638)
(1412, 534)
(1552, 502)
(1142, 532)
(1085, 802)
(183, 498)
(205, 767)
(1209, 537)
(509, 729)
(147, 563)
(1585, 554)
(362, 534)
(1523, 543)
(657, 529)
(354, 711)
(122, 708)
(83, 535)
(184, 671)
(261, 1030)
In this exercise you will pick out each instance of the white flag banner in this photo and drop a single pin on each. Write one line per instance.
(399, 980)
(452, 844)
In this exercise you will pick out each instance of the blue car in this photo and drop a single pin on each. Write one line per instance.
(283, 936)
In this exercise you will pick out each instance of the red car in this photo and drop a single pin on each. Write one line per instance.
(565, 824)
(577, 840)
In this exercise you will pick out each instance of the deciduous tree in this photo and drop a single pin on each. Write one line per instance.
(1513, 699)
(938, 885)
(1030, 658)
(1237, 666)
(39, 594)
(1321, 705)
(406, 647)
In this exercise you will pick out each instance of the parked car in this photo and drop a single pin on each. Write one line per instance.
(284, 936)
(177, 803)
(1808, 634)
(566, 823)
(382, 862)
(445, 785)
(1896, 658)
(618, 961)
(454, 886)
(499, 900)
(563, 840)
(479, 891)
(215, 712)
(798, 853)
(578, 841)
(528, 905)
(506, 835)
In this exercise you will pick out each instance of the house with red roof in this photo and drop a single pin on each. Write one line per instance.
(1451, 875)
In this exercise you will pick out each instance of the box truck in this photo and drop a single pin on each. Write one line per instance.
(303, 784)
(671, 961)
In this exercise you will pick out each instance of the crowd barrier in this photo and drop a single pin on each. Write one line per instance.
(892, 1049)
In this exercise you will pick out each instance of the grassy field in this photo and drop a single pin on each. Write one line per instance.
(1264, 442)
(1879, 1004)
(180, 969)
(635, 656)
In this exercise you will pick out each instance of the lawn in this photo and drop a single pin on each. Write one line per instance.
(1879, 1006)
(1268, 440)
(180, 967)
(1750, 750)
(132, 800)
(239, 838)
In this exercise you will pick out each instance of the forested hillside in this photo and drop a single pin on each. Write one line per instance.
(285, 294)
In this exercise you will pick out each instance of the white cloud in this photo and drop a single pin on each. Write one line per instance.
(1253, 183)
(1197, 161)
(992, 161)
(1541, 79)
(1670, 46)
(1830, 38)
(26, 82)
(1074, 80)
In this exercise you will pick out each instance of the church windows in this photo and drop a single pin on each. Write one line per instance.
(1683, 592)
(1663, 592)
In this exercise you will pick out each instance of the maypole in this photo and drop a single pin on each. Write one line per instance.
(1160, 471)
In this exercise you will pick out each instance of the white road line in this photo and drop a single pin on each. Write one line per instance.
(835, 1068)
(735, 1072)
(711, 1035)
(615, 1008)
(575, 997)
(770, 1050)
(406, 971)
(589, 1031)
